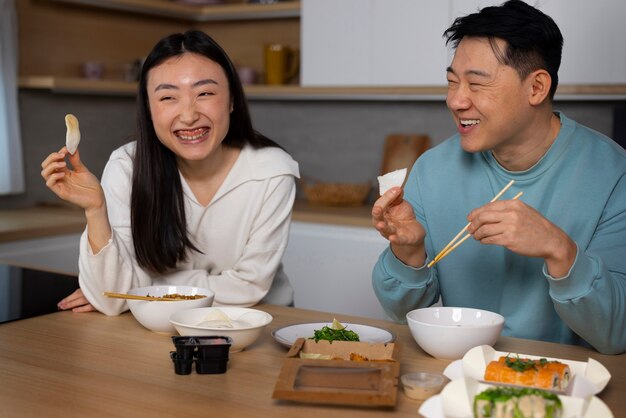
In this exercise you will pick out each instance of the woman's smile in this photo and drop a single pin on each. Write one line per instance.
(192, 136)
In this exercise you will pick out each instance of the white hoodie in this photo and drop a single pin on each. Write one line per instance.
(242, 234)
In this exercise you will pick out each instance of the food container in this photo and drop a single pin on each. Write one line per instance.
(210, 354)
(422, 385)
(341, 373)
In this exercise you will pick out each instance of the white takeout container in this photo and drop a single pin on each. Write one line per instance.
(457, 399)
(587, 378)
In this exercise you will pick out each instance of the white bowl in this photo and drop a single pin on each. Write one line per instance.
(248, 324)
(448, 332)
(155, 315)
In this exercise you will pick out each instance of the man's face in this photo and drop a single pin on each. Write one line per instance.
(488, 100)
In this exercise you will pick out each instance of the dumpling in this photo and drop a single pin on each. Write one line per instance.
(392, 179)
(72, 137)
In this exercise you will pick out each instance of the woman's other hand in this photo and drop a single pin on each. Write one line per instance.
(77, 302)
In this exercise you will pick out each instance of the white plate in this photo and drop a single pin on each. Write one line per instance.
(289, 334)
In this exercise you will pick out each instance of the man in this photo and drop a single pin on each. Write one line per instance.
(553, 262)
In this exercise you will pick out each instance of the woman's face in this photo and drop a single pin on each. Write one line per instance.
(190, 105)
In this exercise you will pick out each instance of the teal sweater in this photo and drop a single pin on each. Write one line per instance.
(579, 185)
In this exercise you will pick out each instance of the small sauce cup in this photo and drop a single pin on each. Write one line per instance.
(422, 385)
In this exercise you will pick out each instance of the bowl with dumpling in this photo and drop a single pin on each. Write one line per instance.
(155, 314)
(243, 325)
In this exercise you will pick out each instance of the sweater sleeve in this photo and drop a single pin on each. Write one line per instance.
(401, 288)
(114, 267)
(595, 288)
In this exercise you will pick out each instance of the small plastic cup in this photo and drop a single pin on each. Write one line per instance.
(422, 385)
(185, 346)
(181, 365)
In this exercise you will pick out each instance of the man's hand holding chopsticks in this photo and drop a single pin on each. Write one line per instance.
(394, 218)
(523, 230)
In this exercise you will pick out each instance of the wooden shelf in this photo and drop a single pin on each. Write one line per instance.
(197, 13)
(297, 93)
(79, 85)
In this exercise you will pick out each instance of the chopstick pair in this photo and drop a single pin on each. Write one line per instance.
(453, 244)
(136, 297)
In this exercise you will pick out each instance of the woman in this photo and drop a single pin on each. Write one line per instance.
(199, 199)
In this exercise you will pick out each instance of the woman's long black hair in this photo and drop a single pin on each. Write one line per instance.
(157, 207)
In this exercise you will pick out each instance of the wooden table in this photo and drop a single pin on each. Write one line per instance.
(90, 365)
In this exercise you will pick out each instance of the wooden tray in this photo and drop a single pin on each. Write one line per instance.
(340, 381)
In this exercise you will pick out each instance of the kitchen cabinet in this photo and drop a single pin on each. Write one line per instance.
(329, 265)
(593, 32)
(373, 43)
(330, 268)
(58, 253)
(383, 43)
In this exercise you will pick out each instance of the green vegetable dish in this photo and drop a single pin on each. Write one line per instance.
(335, 332)
(501, 402)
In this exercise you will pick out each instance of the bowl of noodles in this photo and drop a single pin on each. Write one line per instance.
(155, 314)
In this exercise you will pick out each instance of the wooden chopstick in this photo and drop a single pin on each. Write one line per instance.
(462, 231)
(453, 243)
(449, 250)
(137, 297)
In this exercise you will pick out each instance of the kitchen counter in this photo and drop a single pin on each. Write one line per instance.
(334, 215)
(40, 222)
(46, 221)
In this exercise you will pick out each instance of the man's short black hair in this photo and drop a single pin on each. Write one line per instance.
(533, 39)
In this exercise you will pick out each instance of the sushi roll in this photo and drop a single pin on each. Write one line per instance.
(505, 402)
(562, 370)
(543, 374)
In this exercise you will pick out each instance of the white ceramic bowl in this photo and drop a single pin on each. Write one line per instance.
(448, 332)
(248, 324)
(155, 315)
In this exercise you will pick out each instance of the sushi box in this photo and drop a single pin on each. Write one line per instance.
(341, 373)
